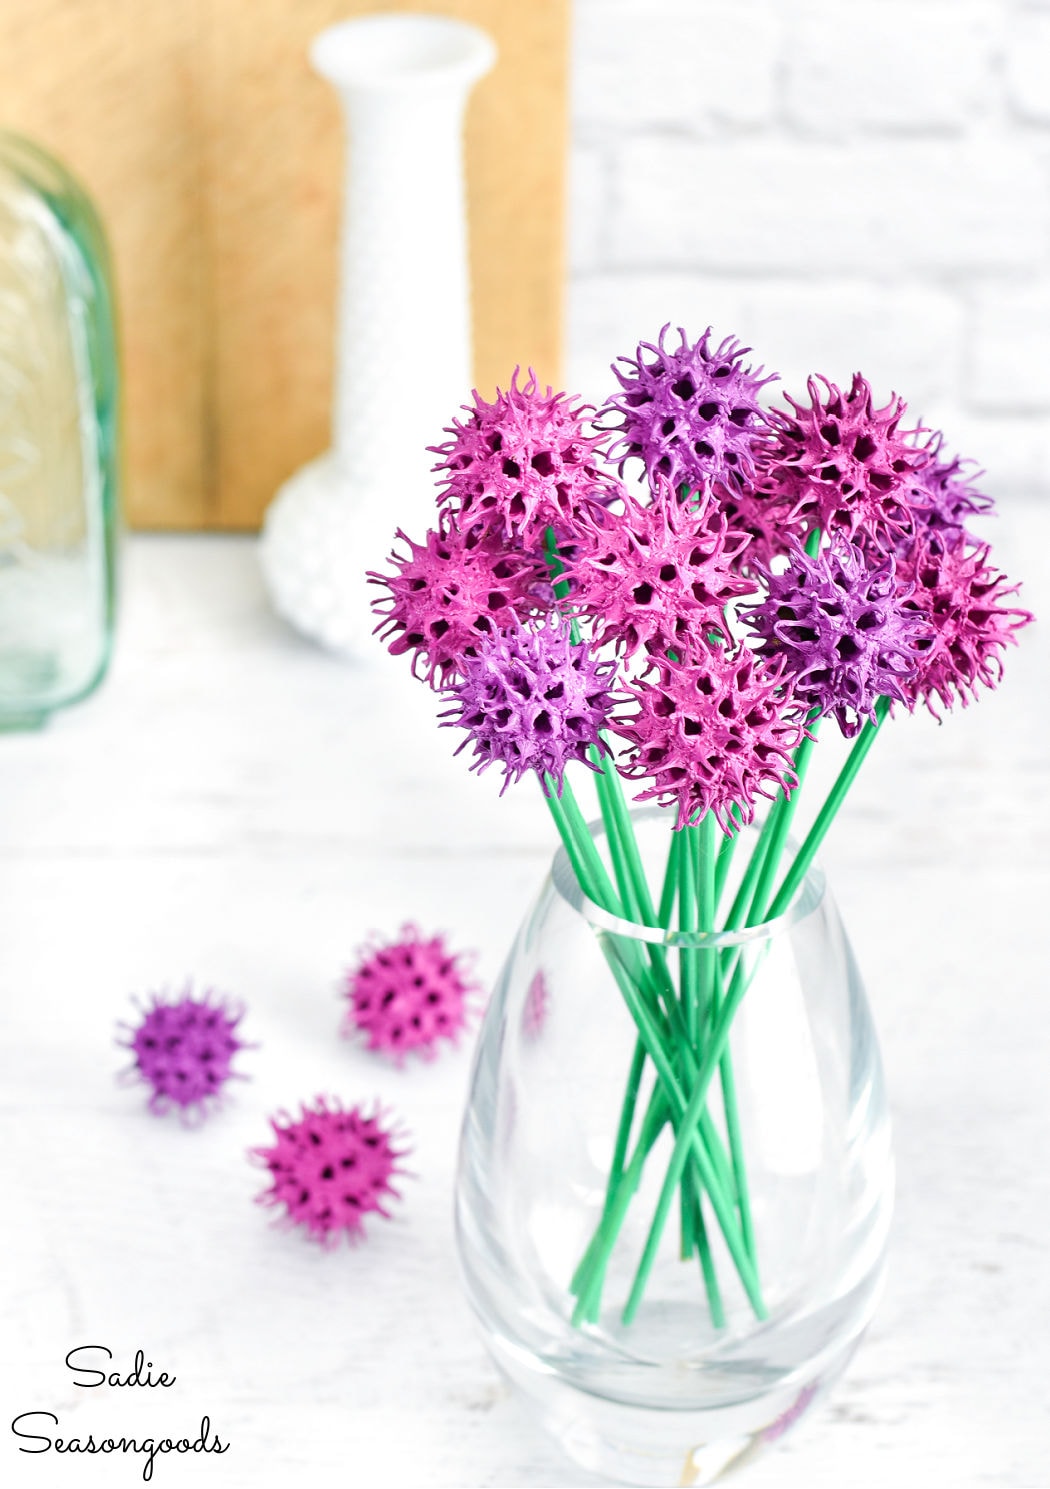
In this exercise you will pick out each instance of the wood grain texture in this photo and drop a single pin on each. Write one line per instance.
(110, 88)
(214, 154)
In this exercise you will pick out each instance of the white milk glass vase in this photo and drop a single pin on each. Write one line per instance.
(672, 1396)
(403, 338)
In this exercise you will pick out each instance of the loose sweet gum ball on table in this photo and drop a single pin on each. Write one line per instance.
(329, 1168)
(183, 1049)
(409, 995)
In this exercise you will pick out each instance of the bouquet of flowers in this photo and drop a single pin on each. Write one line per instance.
(766, 568)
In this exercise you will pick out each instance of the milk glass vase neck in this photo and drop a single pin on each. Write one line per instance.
(674, 1396)
(403, 334)
(58, 439)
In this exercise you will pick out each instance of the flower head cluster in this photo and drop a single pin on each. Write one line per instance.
(523, 463)
(840, 464)
(659, 577)
(689, 413)
(183, 1049)
(450, 590)
(957, 598)
(712, 735)
(844, 535)
(329, 1168)
(409, 995)
(532, 699)
(843, 628)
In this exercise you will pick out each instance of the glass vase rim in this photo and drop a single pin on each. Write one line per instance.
(808, 898)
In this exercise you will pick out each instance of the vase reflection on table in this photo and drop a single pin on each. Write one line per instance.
(673, 1396)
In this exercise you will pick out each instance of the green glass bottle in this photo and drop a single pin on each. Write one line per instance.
(59, 437)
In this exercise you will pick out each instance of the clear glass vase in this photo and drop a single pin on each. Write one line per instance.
(58, 439)
(673, 1397)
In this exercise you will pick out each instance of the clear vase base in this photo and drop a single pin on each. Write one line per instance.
(668, 1356)
(628, 1444)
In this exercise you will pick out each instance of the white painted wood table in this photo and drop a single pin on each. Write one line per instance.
(237, 807)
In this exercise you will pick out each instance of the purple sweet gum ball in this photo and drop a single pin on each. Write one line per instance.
(942, 490)
(840, 624)
(183, 1049)
(689, 413)
(531, 700)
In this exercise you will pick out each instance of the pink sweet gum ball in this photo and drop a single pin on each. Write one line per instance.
(449, 591)
(659, 576)
(408, 996)
(329, 1168)
(712, 735)
(950, 584)
(841, 464)
(522, 463)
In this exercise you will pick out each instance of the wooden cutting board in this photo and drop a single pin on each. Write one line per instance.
(215, 156)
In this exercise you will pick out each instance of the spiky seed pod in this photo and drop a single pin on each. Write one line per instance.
(407, 995)
(765, 518)
(523, 463)
(659, 577)
(958, 596)
(841, 464)
(941, 490)
(690, 413)
(712, 735)
(183, 1048)
(842, 627)
(329, 1168)
(450, 590)
(531, 699)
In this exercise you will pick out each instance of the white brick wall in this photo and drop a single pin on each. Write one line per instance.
(846, 184)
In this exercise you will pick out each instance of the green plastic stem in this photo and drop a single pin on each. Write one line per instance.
(669, 893)
(835, 797)
(740, 982)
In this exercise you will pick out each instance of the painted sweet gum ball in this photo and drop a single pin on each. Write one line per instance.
(329, 1168)
(183, 1048)
(410, 995)
(531, 700)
